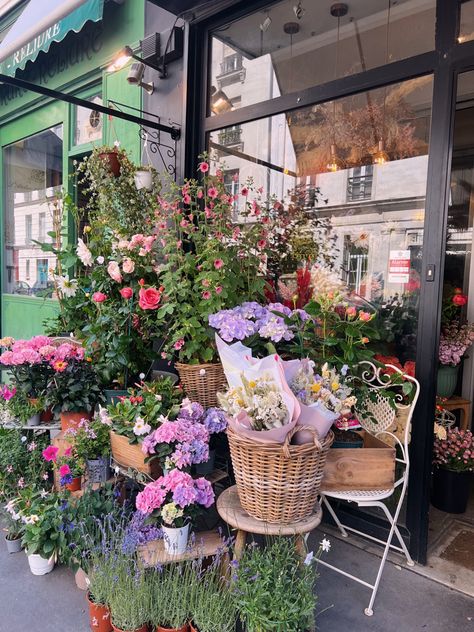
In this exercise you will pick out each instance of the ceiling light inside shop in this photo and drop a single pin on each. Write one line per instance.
(220, 102)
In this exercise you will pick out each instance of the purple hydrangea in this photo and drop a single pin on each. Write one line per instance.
(215, 420)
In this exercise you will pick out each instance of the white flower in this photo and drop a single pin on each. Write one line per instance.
(142, 376)
(43, 493)
(325, 545)
(100, 259)
(23, 439)
(202, 372)
(158, 398)
(67, 286)
(116, 143)
(104, 416)
(141, 428)
(309, 558)
(84, 253)
(33, 519)
(117, 470)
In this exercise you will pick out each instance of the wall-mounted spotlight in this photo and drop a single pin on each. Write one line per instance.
(135, 77)
(220, 102)
(299, 10)
(126, 54)
(265, 25)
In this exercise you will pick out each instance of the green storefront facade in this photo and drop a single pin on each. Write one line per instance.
(41, 138)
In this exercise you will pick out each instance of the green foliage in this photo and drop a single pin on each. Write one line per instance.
(90, 440)
(22, 408)
(171, 588)
(44, 534)
(212, 603)
(74, 389)
(21, 462)
(274, 590)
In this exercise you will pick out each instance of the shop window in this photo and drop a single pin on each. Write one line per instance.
(359, 183)
(32, 182)
(88, 123)
(466, 22)
(273, 52)
(231, 183)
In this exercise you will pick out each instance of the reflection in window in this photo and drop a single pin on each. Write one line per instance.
(270, 53)
(370, 214)
(88, 123)
(33, 178)
(466, 22)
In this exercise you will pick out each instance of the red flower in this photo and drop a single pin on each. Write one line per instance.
(245, 192)
(149, 298)
(459, 299)
(126, 292)
(99, 297)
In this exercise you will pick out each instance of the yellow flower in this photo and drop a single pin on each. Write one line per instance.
(316, 387)
(87, 229)
(252, 384)
(335, 385)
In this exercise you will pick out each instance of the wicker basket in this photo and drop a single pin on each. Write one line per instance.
(202, 382)
(278, 483)
(128, 455)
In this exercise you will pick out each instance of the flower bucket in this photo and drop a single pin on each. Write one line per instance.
(13, 546)
(99, 617)
(132, 456)
(40, 565)
(143, 179)
(447, 380)
(185, 628)
(111, 161)
(450, 490)
(98, 470)
(34, 420)
(203, 469)
(175, 539)
(72, 419)
(75, 486)
(202, 382)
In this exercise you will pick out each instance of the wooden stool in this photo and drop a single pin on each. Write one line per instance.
(207, 544)
(230, 510)
(464, 405)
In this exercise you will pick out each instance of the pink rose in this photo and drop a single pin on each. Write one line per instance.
(149, 298)
(219, 289)
(351, 312)
(128, 265)
(126, 292)
(114, 271)
(99, 297)
(179, 344)
(206, 295)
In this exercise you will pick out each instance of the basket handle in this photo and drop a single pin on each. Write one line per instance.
(293, 431)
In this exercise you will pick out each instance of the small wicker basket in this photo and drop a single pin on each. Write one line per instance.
(279, 483)
(202, 382)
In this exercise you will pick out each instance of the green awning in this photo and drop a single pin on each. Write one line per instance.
(38, 27)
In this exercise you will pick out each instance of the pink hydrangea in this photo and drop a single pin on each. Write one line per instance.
(152, 497)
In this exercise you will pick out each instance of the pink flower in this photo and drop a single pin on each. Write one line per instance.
(351, 312)
(218, 263)
(261, 243)
(365, 316)
(245, 192)
(206, 282)
(212, 192)
(68, 451)
(149, 298)
(7, 393)
(64, 470)
(50, 453)
(206, 295)
(128, 265)
(126, 292)
(99, 297)
(187, 198)
(114, 271)
(219, 289)
(152, 497)
(179, 344)
(203, 167)
(200, 194)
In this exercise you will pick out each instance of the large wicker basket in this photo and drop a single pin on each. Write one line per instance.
(278, 483)
(202, 382)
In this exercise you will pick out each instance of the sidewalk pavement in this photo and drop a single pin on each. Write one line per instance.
(406, 601)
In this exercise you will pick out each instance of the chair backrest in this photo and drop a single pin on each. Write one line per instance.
(377, 412)
(60, 340)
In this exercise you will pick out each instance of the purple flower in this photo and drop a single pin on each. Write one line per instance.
(215, 420)
(65, 480)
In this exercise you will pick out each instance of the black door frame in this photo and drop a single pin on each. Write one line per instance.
(447, 60)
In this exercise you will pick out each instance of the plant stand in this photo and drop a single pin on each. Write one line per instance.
(230, 510)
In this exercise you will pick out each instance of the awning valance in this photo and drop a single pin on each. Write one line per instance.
(41, 24)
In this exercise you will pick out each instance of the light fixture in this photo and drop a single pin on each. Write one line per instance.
(335, 163)
(299, 10)
(381, 157)
(220, 102)
(135, 77)
(265, 25)
(126, 54)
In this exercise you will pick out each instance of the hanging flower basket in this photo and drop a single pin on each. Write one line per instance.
(111, 161)
(202, 382)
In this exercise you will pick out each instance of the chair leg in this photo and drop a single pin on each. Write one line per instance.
(335, 518)
(410, 562)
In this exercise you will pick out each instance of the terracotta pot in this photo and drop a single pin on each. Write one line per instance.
(46, 416)
(185, 628)
(75, 486)
(192, 628)
(111, 160)
(99, 617)
(144, 628)
(71, 420)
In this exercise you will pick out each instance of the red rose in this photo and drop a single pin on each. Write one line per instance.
(99, 297)
(126, 292)
(459, 299)
(149, 298)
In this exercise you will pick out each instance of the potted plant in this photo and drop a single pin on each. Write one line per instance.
(68, 467)
(144, 177)
(28, 361)
(43, 536)
(132, 418)
(212, 602)
(453, 460)
(129, 602)
(210, 264)
(274, 590)
(91, 445)
(13, 526)
(110, 158)
(174, 501)
(22, 409)
(455, 340)
(73, 389)
(172, 590)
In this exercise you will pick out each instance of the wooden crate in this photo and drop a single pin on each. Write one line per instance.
(369, 468)
(131, 456)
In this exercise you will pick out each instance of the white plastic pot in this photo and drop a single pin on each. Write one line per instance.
(143, 180)
(34, 420)
(175, 539)
(40, 565)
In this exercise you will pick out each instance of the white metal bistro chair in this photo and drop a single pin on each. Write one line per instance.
(380, 418)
